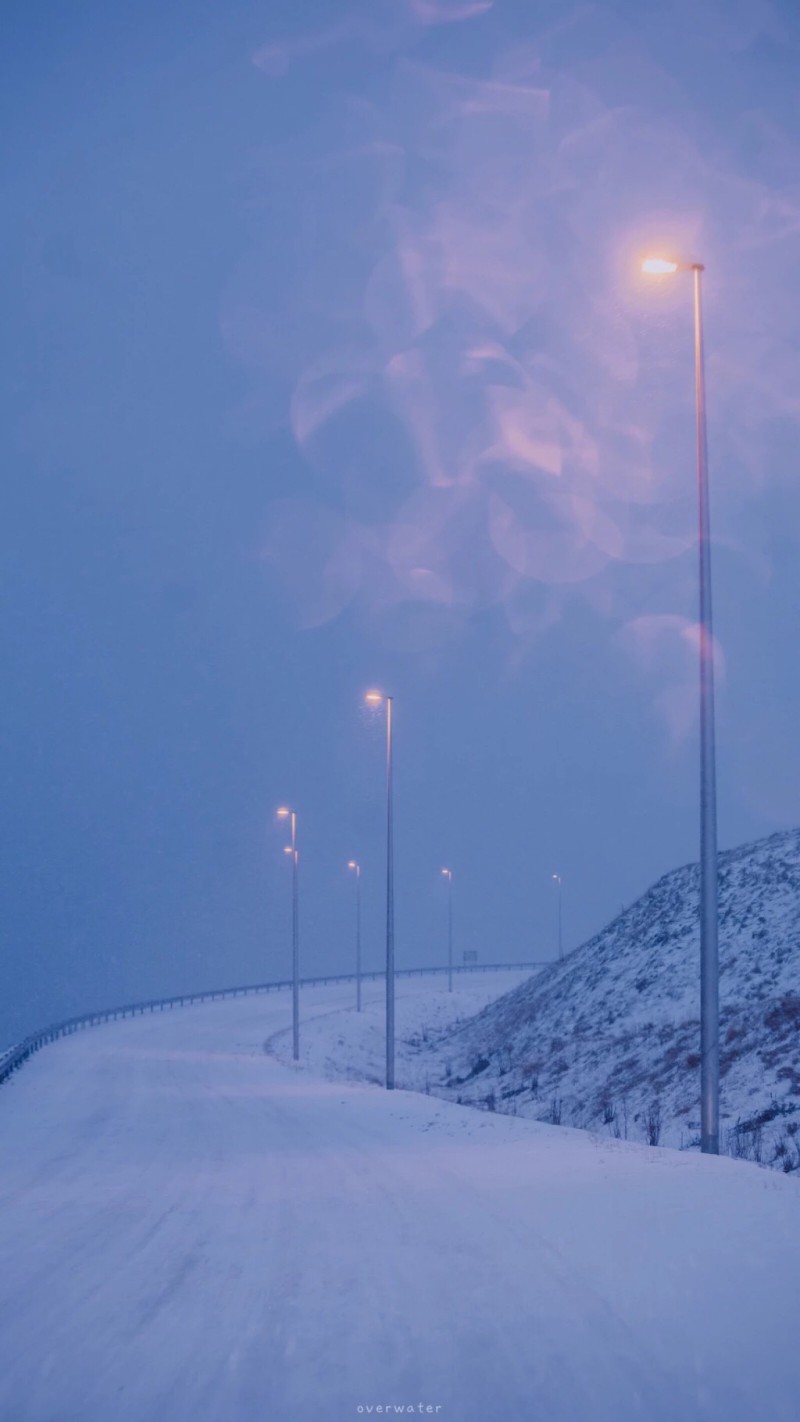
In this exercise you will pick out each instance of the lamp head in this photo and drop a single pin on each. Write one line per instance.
(374, 698)
(659, 266)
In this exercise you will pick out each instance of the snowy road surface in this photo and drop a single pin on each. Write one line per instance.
(192, 1231)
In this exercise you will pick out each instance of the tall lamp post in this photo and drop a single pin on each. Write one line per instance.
(557, 882)
(356, 868)
(448, 874)
(284, 813)
(709, 948)
(377, 698)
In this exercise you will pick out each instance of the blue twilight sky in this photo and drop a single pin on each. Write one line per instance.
(326, 363)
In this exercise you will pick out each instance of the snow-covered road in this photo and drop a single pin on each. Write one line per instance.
(193, 1231)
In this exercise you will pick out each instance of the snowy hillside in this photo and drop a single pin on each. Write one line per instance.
(609, 1038)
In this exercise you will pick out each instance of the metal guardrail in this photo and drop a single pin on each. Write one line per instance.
(14, 1058)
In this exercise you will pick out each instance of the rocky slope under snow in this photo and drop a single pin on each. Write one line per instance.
(608, 1038)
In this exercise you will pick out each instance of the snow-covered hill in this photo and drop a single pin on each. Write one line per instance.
(609, 1037)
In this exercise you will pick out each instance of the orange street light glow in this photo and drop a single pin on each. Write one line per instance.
(287, 849)
(374, 698)
(351, 864)
(283, 813)
(658, 266)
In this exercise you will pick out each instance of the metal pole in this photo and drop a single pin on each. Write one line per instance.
(295, 949)
(450, 931)
(389, 904)
(557, 882)
(358, 938)
(709, 949)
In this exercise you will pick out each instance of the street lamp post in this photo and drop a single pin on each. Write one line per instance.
(709, 944)
(356, 867)
(448, 873)
(286, 814)
(557, 882)
(377, 698)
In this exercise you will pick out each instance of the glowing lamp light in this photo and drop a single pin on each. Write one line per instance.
(658, 266)
(283, 813)
(373, 698)
(351, 864)
(447, 872)
(287, 849)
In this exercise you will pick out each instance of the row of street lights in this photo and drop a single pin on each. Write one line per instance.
(372, 698)
(709, 957)
(355, 866)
